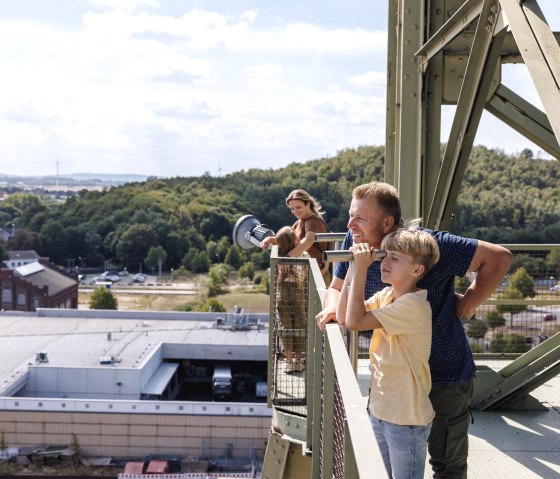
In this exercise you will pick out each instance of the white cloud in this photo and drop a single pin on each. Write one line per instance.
(372, 81)
(134, 88)
(125, 5)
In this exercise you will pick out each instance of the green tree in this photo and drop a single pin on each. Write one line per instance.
(233, 258)
(213, 305)
(247, 270)
(24, 239)
(498, 344)
(522, 281)
(103, 298)
(3, 254)
(512, 343)
(54, 242)
(134, 244)
(200, 262)
(495, 320)
(477, 329)
(516, 344)
(217, 277)
(155, 258)
(511, 308)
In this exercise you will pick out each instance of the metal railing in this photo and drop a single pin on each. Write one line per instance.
(319, 407)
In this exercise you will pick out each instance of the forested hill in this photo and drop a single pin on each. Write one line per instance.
(503, 199)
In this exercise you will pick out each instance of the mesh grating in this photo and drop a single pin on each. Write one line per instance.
(290, 336)
(339, 418)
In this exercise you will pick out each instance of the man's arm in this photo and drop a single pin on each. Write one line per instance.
(330, 302)
(490, 262)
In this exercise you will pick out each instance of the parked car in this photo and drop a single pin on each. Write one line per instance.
(549, 317)
(139, 278)
(555, 288)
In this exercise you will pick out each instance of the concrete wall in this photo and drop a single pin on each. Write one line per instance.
(132, 435)
(94, 383)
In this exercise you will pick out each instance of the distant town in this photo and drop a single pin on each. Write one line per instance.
(61, 186)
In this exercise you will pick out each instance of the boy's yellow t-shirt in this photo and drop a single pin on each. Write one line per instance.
(399, 353)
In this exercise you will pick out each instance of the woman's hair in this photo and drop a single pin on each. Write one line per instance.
(304, 196)
(285, 240)
(418, 244)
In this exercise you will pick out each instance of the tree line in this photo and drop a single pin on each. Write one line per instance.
(186, 222)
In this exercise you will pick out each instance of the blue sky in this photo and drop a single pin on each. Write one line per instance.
(180, 88)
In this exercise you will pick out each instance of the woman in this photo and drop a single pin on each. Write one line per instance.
(307, 210)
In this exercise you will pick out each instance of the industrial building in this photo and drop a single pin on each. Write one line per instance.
(133, 383)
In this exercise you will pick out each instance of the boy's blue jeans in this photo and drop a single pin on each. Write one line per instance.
(403, 448)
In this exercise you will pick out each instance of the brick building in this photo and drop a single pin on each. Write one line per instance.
(37, 285)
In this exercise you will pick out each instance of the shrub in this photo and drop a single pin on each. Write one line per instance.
(103, 298)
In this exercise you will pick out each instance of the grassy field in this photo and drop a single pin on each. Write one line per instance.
(240, 295)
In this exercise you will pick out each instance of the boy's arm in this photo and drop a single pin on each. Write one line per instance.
(357, 317)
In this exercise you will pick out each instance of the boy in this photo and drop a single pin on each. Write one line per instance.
(401, 318)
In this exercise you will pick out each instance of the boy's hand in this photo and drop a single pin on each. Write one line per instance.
(364, 255)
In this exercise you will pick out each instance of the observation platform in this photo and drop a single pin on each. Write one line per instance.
(509, 444)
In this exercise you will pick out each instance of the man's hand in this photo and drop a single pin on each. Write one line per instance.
(325, 316)
(463, 311)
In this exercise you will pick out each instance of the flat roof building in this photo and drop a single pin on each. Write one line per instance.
(125, 382)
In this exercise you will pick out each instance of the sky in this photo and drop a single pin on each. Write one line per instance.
(185, 88)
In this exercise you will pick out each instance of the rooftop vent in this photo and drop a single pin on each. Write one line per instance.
(107, 360)
(41, 357)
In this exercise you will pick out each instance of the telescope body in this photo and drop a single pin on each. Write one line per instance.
(340, 256)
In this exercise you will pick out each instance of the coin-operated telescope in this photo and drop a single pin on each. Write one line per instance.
(347, 255)
(248, 232)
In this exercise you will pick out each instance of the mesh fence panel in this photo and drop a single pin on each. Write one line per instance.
(290, 336)
(339, 417)
(524, 310)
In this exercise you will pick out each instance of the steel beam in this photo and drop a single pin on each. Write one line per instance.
(467, 13)
(510, 387)
(540, 52)
(393, 60)
(408, 139)
(525, 118)
(476, 85)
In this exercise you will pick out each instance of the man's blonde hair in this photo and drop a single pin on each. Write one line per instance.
(418, 244)
(386, 195)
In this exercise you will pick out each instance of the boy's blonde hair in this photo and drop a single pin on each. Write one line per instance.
(418, 244)
(285, 240)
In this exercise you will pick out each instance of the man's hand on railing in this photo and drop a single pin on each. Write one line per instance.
(325, 316)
